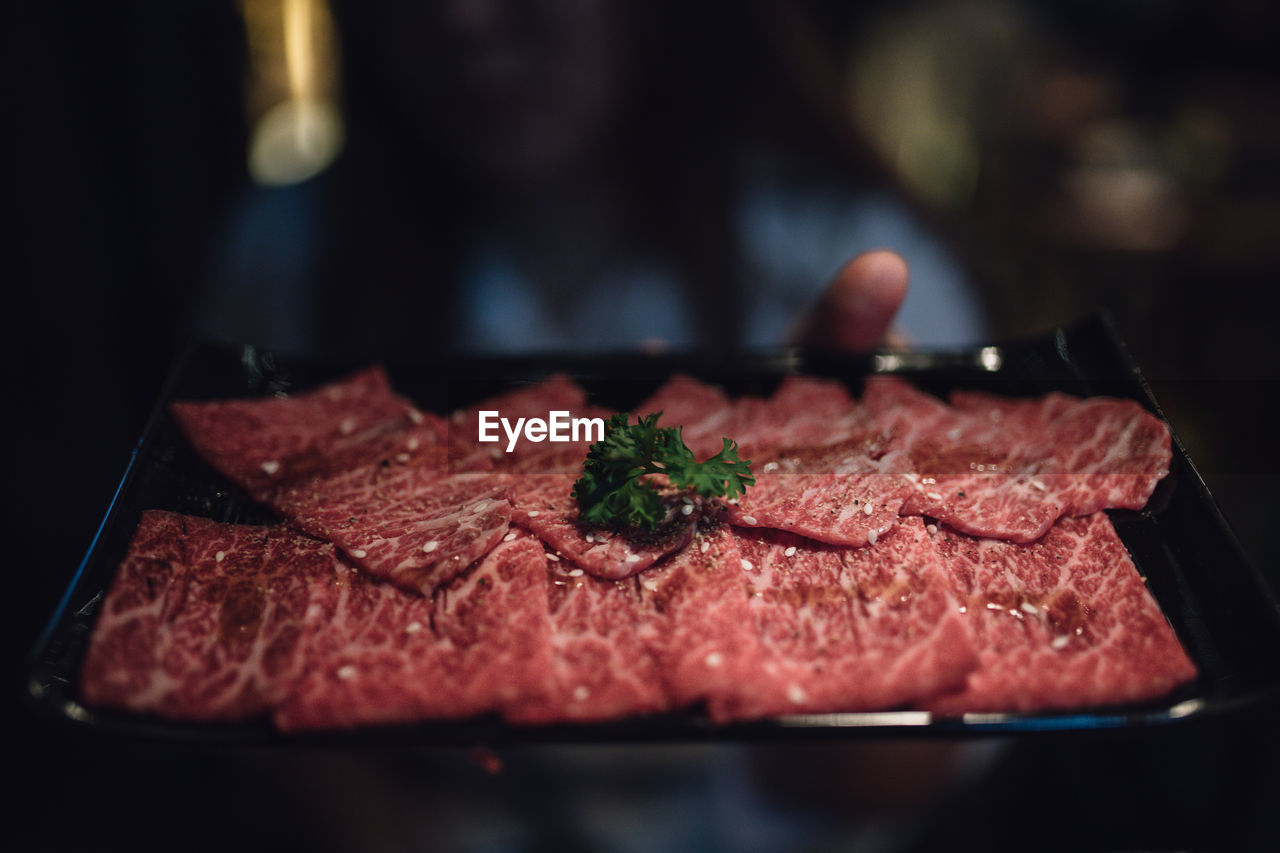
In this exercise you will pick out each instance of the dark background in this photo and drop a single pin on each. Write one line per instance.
(130, 132)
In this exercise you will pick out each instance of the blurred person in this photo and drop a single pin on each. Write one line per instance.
(580, 175)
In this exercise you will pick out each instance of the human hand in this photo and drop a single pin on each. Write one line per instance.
(855, 313)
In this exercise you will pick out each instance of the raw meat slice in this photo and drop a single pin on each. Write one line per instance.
(356, 465)
(1062, 623)
(544, 504)
(803, 412)
(601, 670)
(704, 412)
(206, 621)
(1105, 452)
(1009, 468)
(494, 625)
(975, 473)
(263, 443)
(408, 524)
(852, 629)
(817, 458)
(844, 494)
(698, 623)
(813, 399)
(379, 660)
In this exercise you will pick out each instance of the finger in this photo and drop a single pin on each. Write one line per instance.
(856, 312)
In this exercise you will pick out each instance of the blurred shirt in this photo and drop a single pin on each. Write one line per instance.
(794, 237)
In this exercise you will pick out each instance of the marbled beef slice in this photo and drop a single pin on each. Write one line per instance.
(207, 621)
(1065, 622)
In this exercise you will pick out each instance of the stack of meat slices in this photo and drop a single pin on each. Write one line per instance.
(896, 551)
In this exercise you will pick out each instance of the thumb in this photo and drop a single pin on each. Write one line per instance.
(857, 310)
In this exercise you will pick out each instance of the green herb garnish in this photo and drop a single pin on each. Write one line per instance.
(611, 491)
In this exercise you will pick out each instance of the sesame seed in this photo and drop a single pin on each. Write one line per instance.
(509, 536)
(575, 573)
(1059, 643)
(402, 457)
(430, 546)
(791, 551)
(591, 537)
(866, 509)
(1039, 485)
(687, 509)
(413, 627)
(1028, 607)
(932, 528)
(220, 556)
(770, 467)
(553, 558)
(872, 536)
(650, 585)
(749, 519)
(347, 672)
(704, 547)
(714, 659)
(796, 694)
(416, 416)
(412, 443)
(533, 513)
(359, 553)
(933, 496)
(632, 558)
(746, 564)
(580, 693)
(271, 466)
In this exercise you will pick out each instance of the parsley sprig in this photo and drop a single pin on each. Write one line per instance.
(613, 490)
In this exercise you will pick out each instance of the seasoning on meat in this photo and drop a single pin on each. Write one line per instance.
(1062, 623)
(262, 443)
(447, 581)
(852, 629)
(207, 621)
(390, 657)
(1009, 468)
(600, 667)
(543, 503)
(362, 468)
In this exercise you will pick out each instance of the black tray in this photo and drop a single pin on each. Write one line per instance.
(1219, 605)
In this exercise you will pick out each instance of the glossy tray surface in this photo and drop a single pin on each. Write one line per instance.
(1219, 605)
